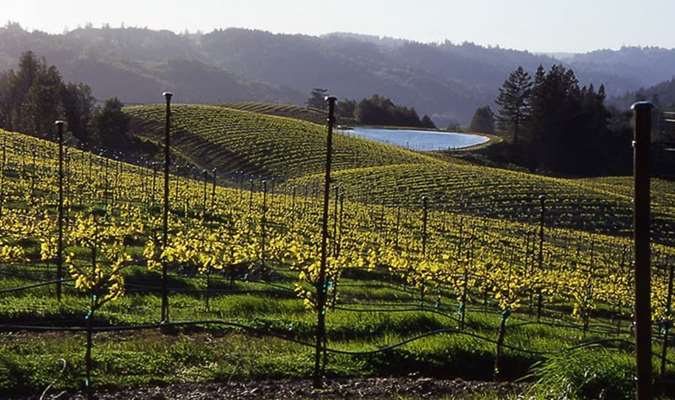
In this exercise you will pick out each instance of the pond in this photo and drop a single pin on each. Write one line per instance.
(418, 139)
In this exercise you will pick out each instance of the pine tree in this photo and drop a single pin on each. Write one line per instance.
(112, 125)
(78, 107)
(317, 99)
(483, 121)
(427, 122)
(513, 102)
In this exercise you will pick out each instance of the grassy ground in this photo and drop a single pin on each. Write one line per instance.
(30, 361)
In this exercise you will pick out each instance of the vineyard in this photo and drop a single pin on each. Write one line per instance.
(244, 143)
(434, 266)
(283, 110)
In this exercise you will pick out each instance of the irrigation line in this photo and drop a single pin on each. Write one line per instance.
(214, 290)
(234, 292)
(35, 328)
(418, 309)
(610, 329)
(399, 310)
(36, 285)
(563, 325)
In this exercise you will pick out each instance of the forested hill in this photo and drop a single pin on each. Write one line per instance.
(662, 95)
(447, 81)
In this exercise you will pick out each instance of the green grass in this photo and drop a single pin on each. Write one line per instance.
(29, 362)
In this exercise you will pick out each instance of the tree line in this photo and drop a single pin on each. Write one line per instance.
(374, 110)
(35, 95)
(554, 124)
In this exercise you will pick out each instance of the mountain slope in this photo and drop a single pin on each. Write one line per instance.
(137, 65)
(445, 80)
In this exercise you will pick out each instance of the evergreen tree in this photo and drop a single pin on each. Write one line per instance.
(454, 126)
(427, 122)
(317, 98)
(42, 104)
(513, 102)
(78, 108)
(483, 121)
(570, 124)
(5, 102)
(345, 108)
(112, 125)
(34, 96)
(380, 110)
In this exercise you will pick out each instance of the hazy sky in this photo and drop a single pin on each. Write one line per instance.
(536, 25)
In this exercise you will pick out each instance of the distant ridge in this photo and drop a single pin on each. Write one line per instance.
(444, 80)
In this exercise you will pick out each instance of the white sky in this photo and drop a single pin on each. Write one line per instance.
(535, 25)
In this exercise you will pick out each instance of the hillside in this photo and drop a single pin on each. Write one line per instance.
(243, 143)
(137, 65)
(593, 206)
(662, 93)
(445, 80)
(282, 110)
(642, 65)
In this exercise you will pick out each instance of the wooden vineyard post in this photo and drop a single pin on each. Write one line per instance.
(213, 191)
(321, 283)
(425, 223)
(667, 323)
(335, 220)
(465, 284)
(398, 224)
(59, 246)
(205, 173)
(542, 200)
(293, 200)
(641, 238)
(2, 172)
(263, 227)
(250, 197)
(337, 237)
(165, 214)
(32, 178)
(154, 185)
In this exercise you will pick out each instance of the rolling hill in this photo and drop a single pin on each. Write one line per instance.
(239, 142)
(243, 143)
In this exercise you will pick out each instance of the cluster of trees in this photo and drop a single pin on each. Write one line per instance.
(35, 95)
(483, 121)
(374, 110)
(557, 125)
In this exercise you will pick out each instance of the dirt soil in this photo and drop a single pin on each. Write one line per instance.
(372, 388)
